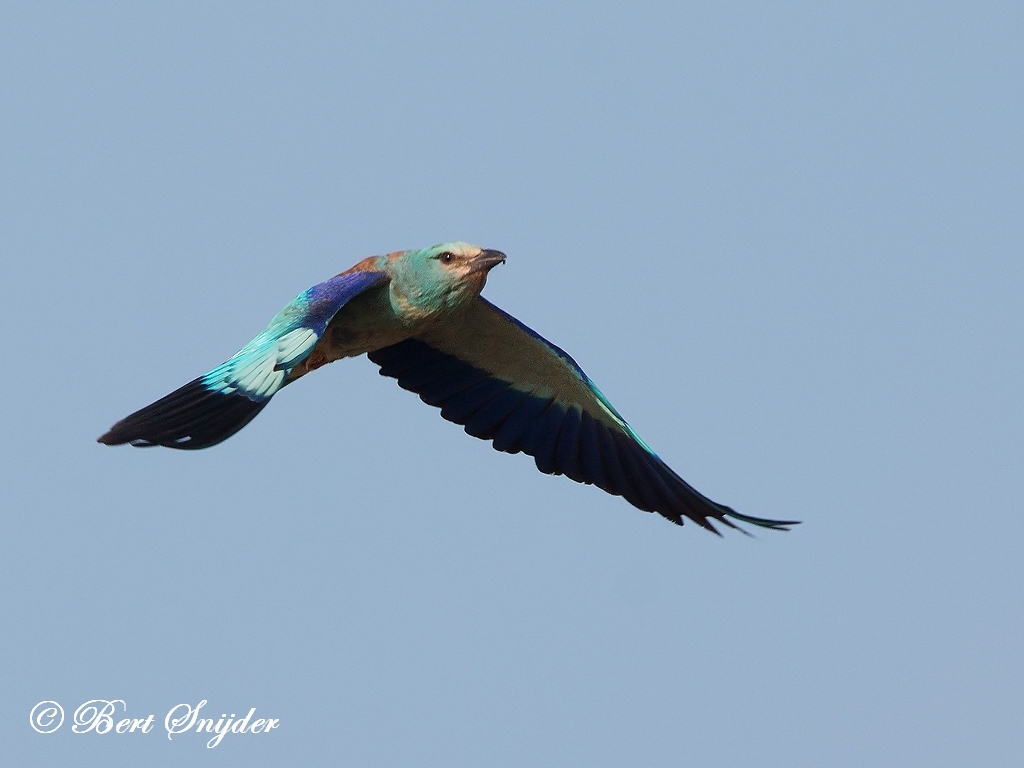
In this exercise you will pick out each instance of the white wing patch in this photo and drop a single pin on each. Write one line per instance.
(294, 345)
(259, 369)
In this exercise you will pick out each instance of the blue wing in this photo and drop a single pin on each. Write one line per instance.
(506, 383)
(213, 407)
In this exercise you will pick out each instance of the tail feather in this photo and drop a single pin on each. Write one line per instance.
(189, 418)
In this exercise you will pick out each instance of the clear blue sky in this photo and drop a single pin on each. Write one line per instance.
(785, 241)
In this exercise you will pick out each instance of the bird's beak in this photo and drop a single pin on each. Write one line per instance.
(485, 260)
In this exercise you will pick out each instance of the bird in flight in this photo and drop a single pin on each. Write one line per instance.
(419, 315)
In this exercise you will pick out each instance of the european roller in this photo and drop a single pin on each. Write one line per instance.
(419, 315)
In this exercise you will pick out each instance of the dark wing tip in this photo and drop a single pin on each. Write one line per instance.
(189, 418)
(761, 522)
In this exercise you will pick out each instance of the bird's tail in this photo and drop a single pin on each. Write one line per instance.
(192, 417)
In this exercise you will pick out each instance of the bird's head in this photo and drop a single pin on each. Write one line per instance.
(440, 278)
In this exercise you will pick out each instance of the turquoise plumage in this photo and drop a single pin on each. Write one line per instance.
(259, 369)
(419, 315)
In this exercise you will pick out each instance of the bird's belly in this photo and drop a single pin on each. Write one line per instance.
(366, 323)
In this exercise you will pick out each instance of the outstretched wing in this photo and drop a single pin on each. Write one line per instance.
(213, 407)
(506, 383)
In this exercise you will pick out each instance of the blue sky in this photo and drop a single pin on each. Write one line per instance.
(785, 242)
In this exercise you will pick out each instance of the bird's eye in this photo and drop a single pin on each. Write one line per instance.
(447, 257)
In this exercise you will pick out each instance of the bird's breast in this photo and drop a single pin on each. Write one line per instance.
(366, 323)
